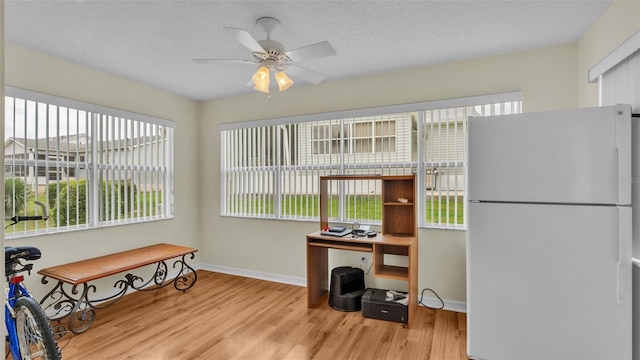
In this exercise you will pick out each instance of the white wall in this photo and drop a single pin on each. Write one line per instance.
(35, 71)
(547, 78)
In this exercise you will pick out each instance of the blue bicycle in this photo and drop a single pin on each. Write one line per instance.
(29, 332)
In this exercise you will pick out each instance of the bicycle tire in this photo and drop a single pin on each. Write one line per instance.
(35, 336)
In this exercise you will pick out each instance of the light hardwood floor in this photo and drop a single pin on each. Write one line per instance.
(230, 317)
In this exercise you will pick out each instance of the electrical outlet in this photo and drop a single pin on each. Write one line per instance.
(363, 261)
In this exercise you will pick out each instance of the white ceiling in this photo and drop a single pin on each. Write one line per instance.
(153, 42)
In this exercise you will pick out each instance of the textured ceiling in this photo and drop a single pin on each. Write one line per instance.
(153, 42)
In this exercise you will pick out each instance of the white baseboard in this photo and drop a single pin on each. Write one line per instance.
(291, 280)
(451, 305)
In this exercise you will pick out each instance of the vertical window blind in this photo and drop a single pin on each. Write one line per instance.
(91, 165)
(444, 133)
(617, 75)
(271, 168)
(620, 84)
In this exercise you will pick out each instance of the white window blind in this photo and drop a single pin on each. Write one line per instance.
(618, 73)
(271, 168)
(92, 166)
(444, 133)
(621, 84)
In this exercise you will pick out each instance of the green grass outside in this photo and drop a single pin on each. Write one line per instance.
(143, 198)
(359, 207)
(437, 211)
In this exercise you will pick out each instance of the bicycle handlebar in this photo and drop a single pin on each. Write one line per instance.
(17, 218)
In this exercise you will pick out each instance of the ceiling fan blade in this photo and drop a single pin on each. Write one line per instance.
(226, 61)
(305, 74)
(245, 39)
(320, 49)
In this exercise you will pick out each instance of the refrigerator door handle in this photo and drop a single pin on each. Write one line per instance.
(623, 265)
(623, 154)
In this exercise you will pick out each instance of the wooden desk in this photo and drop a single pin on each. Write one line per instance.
(317, 262)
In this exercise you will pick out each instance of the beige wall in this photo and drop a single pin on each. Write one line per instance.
(547, 78)
(550, 78)
(35, 71)
(617, 24)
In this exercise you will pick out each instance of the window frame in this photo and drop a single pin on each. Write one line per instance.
(420, 164)
(96, 116)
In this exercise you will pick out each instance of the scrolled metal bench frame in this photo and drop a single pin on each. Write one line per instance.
(74, 304)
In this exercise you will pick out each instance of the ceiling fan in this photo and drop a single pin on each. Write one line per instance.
(271, 56)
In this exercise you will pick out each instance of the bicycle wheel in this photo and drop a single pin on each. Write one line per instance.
(35, 336)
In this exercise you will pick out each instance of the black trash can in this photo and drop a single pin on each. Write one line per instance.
(347, 287)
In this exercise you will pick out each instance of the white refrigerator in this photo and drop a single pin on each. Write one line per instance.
(549, 240)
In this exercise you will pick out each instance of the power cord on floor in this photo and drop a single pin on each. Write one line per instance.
(434, 293)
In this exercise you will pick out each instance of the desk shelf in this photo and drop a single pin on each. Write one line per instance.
(392, 272)
(398, 217)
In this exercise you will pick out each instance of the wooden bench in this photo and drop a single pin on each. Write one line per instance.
(74, 303)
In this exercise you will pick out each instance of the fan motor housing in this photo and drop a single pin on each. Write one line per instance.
(275, 52)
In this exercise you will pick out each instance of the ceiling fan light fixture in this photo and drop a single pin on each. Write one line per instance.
(261, 77)
(284, 82)
(263, 86)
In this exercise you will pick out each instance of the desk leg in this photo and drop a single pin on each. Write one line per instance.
(413, 282)
(317, 274)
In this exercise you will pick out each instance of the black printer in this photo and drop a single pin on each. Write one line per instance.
(385, 305)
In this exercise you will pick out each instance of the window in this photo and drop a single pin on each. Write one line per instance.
(359, 136)
(91, 166)
(444, 133)
(325, 138)
(271, 168)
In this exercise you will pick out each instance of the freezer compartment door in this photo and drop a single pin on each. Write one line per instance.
(545, 282)
(574, 156)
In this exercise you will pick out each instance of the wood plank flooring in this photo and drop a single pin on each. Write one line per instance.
(230, 317)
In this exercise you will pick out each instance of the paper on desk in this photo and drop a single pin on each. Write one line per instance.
(404, 301)
(397, 297)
